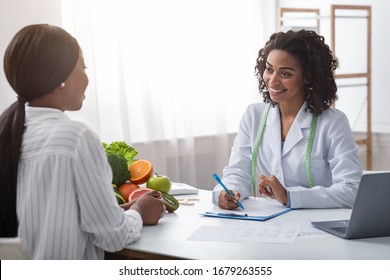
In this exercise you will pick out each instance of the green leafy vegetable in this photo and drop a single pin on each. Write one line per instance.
(121, 148)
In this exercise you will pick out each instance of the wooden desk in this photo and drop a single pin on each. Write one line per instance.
(168, 240)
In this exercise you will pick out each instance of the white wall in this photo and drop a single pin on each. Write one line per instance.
(15, 14)
(380, 54)
(18, 13)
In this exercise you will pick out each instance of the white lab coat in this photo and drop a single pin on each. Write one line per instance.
(335, 167)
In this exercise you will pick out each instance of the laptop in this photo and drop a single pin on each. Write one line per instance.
(370, 213)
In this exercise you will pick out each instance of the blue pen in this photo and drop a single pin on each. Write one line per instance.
(216, 177)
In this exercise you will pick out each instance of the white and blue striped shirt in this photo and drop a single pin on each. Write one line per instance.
(66, 206)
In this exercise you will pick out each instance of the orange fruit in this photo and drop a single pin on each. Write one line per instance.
(138, 193)
(140, 171)
(126, 189)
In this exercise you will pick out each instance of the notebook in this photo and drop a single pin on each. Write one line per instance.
(181, 188)
(370, 213)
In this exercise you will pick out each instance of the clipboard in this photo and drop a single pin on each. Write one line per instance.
(244, 216)
(256, 209)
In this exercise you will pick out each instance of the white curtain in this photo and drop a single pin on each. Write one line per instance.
(172, 78)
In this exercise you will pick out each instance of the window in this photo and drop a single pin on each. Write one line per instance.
(166, 69)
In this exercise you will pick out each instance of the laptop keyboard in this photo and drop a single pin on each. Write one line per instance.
(340, 229)
(343, 226)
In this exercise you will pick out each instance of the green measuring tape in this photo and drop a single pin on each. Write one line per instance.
(255, 152)
(259, 140)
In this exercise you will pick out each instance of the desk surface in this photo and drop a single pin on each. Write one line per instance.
(168, 240)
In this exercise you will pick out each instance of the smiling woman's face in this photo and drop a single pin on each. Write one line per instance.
(284, 78)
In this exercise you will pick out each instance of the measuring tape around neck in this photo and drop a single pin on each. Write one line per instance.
(259, 140)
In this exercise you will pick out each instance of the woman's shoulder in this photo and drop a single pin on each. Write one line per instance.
(76, 126)
(334, 118)
(73, 127)
(332, 114)
(79, 130)
(252, 116)
(256, 108)
(54, 126)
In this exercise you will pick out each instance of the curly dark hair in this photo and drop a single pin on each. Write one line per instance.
(316, 60)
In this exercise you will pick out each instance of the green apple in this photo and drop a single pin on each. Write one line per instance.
(160, 183)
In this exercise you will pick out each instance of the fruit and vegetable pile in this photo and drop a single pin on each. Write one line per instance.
(133, 177)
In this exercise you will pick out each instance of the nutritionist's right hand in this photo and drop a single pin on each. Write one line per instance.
(226, 201)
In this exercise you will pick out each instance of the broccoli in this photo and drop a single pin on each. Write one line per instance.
(120, 171)
(121, 148)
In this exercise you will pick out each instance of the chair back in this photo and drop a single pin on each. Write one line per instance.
(12, 249)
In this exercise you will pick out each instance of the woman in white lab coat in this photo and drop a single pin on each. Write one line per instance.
(294, 147)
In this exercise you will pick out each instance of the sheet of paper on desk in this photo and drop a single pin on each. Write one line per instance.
(247, 232)
(258, 208)
(307, 229)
